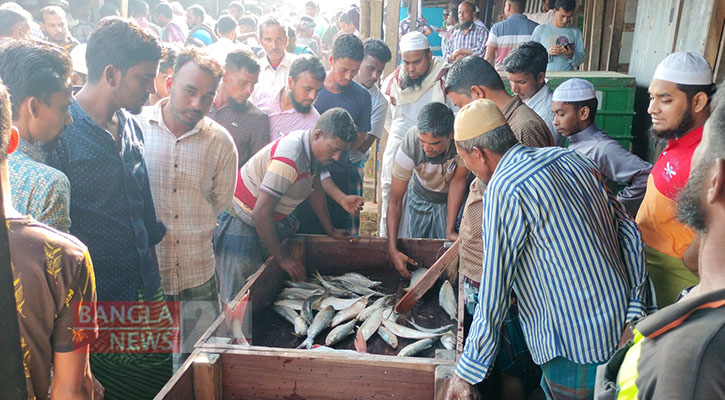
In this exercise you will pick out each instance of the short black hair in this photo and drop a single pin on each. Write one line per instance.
(225, 24)
(338, 122)
(520, 4)
(242, 58)
(238, 5)
(377, 49)
(345, 19)
(349, 46)
(8, 20)
(197, 10)
(567, 5)
(692, 90)
(307, 63)
(46, 69)
(199, 57)
(592, 104)
(472, 71)
(436, 118)
(108, 10)
(529, 57)
(137, 8)
(51, 10)
(271, 21)
(5, 122)
(249, 21)
(117, 42)
(311, 4)
(168, 58)
(164, 9)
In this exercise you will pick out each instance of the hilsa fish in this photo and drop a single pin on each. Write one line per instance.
(321, 322)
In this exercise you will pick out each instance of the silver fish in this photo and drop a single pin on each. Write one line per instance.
(408, 333)
(293, 304)
(416, 347)
(293, 318)
(415, 276)
(309, 304)
(388, 337)
(361, 290)
(447, 300)
(442, 329)
(371, 324)
(377, 305)
(321, 322)
(449, 341)
(390, 314)
(338, 303)
(297, 293)
(303, 285)
(340, 332)
(334, 289)
(350, 312)
(357, 279)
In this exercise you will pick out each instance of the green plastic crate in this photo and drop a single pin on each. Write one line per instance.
(615, 92)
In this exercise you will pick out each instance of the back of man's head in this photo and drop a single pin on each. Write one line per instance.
(567, 5)
(249, 22)
(472, 71)
(348, 46)
(242, 58)
(307, 63)
(338, 123)
(529, 57)
(46, 69)
(377, 49)
(226, 25)
(8, 20)
(5, 122)
(237, 6)
(518, 5)
(197, 11)
(116, 42)
(138, 8)
(164, 9)
(437, 119)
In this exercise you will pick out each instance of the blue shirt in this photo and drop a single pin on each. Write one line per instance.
(549, 35)
(111, 207)
(37, 189)
(574, 257)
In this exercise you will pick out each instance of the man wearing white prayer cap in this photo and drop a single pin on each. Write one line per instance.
(680, 95)
(574, 104)
(418, 81)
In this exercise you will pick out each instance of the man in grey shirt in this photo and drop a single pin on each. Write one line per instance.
(574, 105)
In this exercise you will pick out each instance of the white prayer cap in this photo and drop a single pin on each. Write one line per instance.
(414, 41)
(684, 68)
(574, 90)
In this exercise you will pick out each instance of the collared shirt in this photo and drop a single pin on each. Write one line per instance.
(174, 32)
(192, 180)
(273, 78)
(540, 102)
(248, 126)
(111, 207)
(283, 169)
(52, 273)
(377, 121)
(574, 257)
(549, 35)
(37, 189)
(615, 163)
(657, 217)
(283, 122)
(219, 49)
(474, 39)
(508, 34)
(527, 126)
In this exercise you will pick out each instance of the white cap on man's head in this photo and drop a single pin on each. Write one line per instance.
(414, 41)
(684, 68)
(574, 90)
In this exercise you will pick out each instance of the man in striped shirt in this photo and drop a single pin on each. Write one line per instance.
(553, 234)
(506, 35)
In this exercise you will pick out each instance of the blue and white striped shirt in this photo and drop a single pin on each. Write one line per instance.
(574, 257)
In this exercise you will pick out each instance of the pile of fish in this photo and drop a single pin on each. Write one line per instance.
(350, 303)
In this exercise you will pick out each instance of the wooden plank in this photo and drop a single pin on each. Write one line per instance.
(406, 303)
(207, 371)
(615, 47)
(261, 376)
(587, 29)
(364, 19)
(443, 375)
(376, 19)
(391, 28)
(715, 33)
(595, 49)
(181, 385)
(719, 70)
(460, 342)
(606, 35)
(413, 14)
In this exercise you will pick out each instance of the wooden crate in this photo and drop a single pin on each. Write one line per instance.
(220, 370)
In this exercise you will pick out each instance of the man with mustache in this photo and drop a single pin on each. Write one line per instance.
(468, 38)
(419, 81)
(677, 352)
(270, 187)
(192, 165)
(680, 95)
(290, 108)
(233, 109)
(111, 207)
(276, 63)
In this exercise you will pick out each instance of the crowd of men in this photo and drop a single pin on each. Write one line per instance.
(165, 156)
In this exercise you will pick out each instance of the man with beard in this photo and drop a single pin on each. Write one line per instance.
(270, 187)
(678, 352)
(111, 205)
(232, 109)
(469, 38)
(54, 23)
(419, 81)
(192, 165)
(290, 108)
(680, 95)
